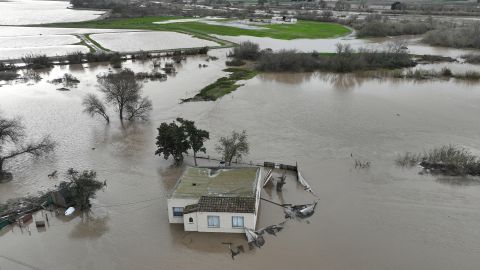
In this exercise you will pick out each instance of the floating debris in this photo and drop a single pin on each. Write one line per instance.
(254, 239)
(300, 211)
(234, 252)
(69, 211)
(362, 164)
(272, 229)
(53, 174)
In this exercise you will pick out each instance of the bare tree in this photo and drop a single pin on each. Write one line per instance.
(139, 109)
(234, 146)
(121, 89)
(94, 106)
(12, 145)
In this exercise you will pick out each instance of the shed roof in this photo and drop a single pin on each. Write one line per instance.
(226, 204)
(211, 181)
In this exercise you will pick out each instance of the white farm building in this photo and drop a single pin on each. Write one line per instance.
(207, 199)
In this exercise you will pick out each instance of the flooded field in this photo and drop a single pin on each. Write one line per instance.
(135, 41)
(21, 12)
(413, 44)
(380, 218)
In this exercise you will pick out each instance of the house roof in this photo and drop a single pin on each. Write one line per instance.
(226, 204)
(212, 181)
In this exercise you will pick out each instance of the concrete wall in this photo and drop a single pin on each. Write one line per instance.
(249, 220)
(174, 202)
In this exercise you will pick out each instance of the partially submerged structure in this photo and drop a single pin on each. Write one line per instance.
(211, 199)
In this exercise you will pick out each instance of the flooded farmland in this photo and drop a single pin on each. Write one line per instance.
(381, 218)
(136, 41)
(413, 43)
(22, 12)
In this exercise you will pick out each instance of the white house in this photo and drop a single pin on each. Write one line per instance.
(207, 199)
(283, 20)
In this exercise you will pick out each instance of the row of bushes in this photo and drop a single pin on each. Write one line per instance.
(376, 25)
(383, 29)
(467, 36)
(344, 60)
(425, 74)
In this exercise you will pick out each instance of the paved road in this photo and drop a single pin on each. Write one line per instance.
(84, 38)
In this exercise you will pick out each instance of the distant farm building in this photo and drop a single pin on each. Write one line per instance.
(207, 199)
(283, 19)
(398, 6)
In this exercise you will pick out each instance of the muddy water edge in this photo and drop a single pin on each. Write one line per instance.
(381, 218)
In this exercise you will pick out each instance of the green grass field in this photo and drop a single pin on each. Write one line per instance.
(224, 85)
(302, 29)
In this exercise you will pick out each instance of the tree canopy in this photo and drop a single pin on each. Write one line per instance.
(196, 137)
(122, 90)
(234, 146)
(176, 140)
(82, 186)
(172, 140)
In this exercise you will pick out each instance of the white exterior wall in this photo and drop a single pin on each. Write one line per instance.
(257, 198)
(249, 220)
(190, 226)
(175, 202)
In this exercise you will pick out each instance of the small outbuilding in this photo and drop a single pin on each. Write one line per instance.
(398, 6)
(212, 199)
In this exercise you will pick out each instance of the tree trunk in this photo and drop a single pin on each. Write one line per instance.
(1, 167)
(121, 113)
(195, 157)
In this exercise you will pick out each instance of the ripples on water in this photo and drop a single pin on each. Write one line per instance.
(378, 218)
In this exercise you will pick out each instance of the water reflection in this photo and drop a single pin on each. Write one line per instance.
(458, 180)
(90, 226)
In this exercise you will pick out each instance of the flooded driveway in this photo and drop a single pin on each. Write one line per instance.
(381, 218)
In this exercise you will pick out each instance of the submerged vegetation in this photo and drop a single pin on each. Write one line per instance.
(68, 80)
(39, 61)
(224, 85)
(344, 60)
(447, 160)
(445, 73)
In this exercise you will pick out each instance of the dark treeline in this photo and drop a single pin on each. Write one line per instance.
(126, 9)
(345, 59)
(378, 26)
(467, 36)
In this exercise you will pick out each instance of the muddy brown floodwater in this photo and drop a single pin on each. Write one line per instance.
(379, 218)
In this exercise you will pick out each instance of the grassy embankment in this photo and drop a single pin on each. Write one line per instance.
(224, 85)
(302, 29)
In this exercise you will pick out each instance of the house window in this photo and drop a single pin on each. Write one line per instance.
(178, 211)
(237, 222)
(213, 221)
(190, 220)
